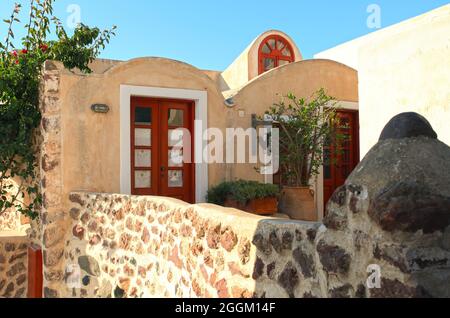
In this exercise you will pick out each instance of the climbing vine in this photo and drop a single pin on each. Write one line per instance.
(20, 75)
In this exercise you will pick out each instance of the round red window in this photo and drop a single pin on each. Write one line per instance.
(274, 51)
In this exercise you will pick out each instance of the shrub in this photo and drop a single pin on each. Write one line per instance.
(20, 75)
(241, 191)
(306, 126)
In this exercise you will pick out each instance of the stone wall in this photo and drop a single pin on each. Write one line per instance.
(49, 230)
(13, 265)
(157, 247)
(386, 234)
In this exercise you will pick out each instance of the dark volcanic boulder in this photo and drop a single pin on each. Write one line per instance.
(407, 179)
(408, 125)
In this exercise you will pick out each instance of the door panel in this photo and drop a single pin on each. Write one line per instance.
(341, 159)
(162, 158)
(144, 139)
(176, 155)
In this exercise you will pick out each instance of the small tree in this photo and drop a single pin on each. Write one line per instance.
(305, 127)
(20, 75)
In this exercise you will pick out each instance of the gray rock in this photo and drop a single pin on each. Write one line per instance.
(258, 271)
(394, 289)
(119, 292)
(334, 259)
(287, 240)
(342, 292)
(422, 258)
(410, 206)
(305, 261)
(392, 254)
(434, 282)
(275, 242)
(262, 244)
(407, 183)
(50, 293)
(408, 125)
(89, 265)
(445, 241)
(289, 279)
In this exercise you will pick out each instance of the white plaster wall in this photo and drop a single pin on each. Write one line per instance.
(402, 68)
(245, 67)
(407, 71)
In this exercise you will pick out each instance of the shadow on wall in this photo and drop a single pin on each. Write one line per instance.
(391, 217)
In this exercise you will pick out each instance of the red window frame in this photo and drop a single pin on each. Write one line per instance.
(276, 53)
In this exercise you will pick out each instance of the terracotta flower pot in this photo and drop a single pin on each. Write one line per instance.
(265, 206)
(298, 203)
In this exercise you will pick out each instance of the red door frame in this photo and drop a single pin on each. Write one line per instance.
(330, 185)
(160, 148)
(35, 272)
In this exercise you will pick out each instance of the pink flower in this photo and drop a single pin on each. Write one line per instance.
(24, 51)
(14, 53)
(17, 61)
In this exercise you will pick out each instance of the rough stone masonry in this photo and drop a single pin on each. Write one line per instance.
(13, 265)
(391, 216)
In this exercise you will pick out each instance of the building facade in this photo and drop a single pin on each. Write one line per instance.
(129, 149)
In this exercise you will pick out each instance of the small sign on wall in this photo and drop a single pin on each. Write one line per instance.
(100, 108)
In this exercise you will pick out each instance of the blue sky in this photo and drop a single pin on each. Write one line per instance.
(211, 34)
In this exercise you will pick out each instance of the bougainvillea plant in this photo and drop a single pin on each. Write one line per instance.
(20, 75)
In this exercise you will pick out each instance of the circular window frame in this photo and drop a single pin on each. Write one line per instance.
(277, 56)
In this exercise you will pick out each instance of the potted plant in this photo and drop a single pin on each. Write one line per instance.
(305, 126)
(249, 196)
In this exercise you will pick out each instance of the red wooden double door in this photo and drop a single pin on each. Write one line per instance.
(162, 148)
(342, 157)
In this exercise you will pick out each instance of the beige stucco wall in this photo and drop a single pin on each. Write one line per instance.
(303, 79)
(245, 67)
(90, 150)
(91, 142)
(402, 68)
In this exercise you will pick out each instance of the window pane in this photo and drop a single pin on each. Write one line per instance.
(143, 158)
(346, 156)
(266, 49)
(142, 137)
(268, 64)
(176, 117)
(327, 172)
(143, 116)
(271, 43)
(280, 45)
(175, 158)
(175, 179)
(286, 52)
(176, 137)
(282, 62)
(142, 179)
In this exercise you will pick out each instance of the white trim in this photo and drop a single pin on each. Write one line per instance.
(201, 123)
